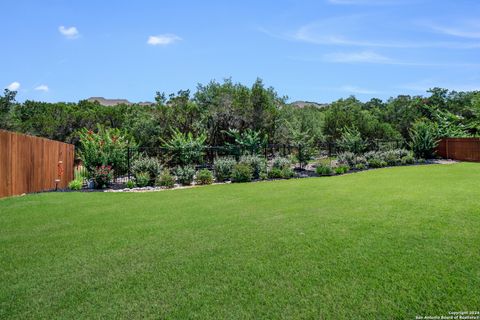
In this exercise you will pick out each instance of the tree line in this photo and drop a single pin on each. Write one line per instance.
(219, 112)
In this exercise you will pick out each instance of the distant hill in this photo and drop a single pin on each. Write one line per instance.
(113, 102)
(302, 104)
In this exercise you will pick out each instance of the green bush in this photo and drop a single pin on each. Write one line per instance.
(423, 139)
(204, 176)
(149, 165)
(165, 179)
(142, 179)
(255, 162)
(360, 166)
(102, 176)
(341, 169)
(324, 170)
(75, 184)
(263, 175)
(223, 168)
(281, 163)
(376, 163)
(130, 184)
(242, 173)
(185, 175)
(391, 157)
(287, 173)
(275, 173)
(409, 159)
(347, 158)
(185, 149)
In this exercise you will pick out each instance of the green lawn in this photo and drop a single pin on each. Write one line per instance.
(387, 244)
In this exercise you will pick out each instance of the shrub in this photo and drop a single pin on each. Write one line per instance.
(391, 157)
(275, 173)
(255, 162)
(142, 179)
(204, 176)
(149, 165)
(185, 149)
(130, 184)
(324, 170)
(423, 139)
(75, 184)
(360, 160)
(107, 147)
(165, 179)
(402, 153)
(242, 173)
(408, 159)
(263, 175)
(223, 168)
(372, 155)
(287, 173)
(376, 163)
(347, 158)
(185, 175)
(325, 161)
(102, 176)
(360, 166)
(341, 169)
(281, 163)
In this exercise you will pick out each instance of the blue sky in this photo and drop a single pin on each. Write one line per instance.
(309, 50)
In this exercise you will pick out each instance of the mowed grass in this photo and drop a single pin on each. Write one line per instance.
(386, 244)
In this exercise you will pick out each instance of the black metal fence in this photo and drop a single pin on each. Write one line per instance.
(269, 151)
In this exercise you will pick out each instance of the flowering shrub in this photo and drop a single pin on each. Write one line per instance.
(102, 176)
(106, 147)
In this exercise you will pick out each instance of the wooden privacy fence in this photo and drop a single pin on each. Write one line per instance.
(32, 164)
(466, 149)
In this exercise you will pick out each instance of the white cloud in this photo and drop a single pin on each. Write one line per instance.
(69, 33)
(14, 86)
(464, 29)
(163, 39)
(363, 56)
(347, 34)
(42, 87)
(359, 30)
